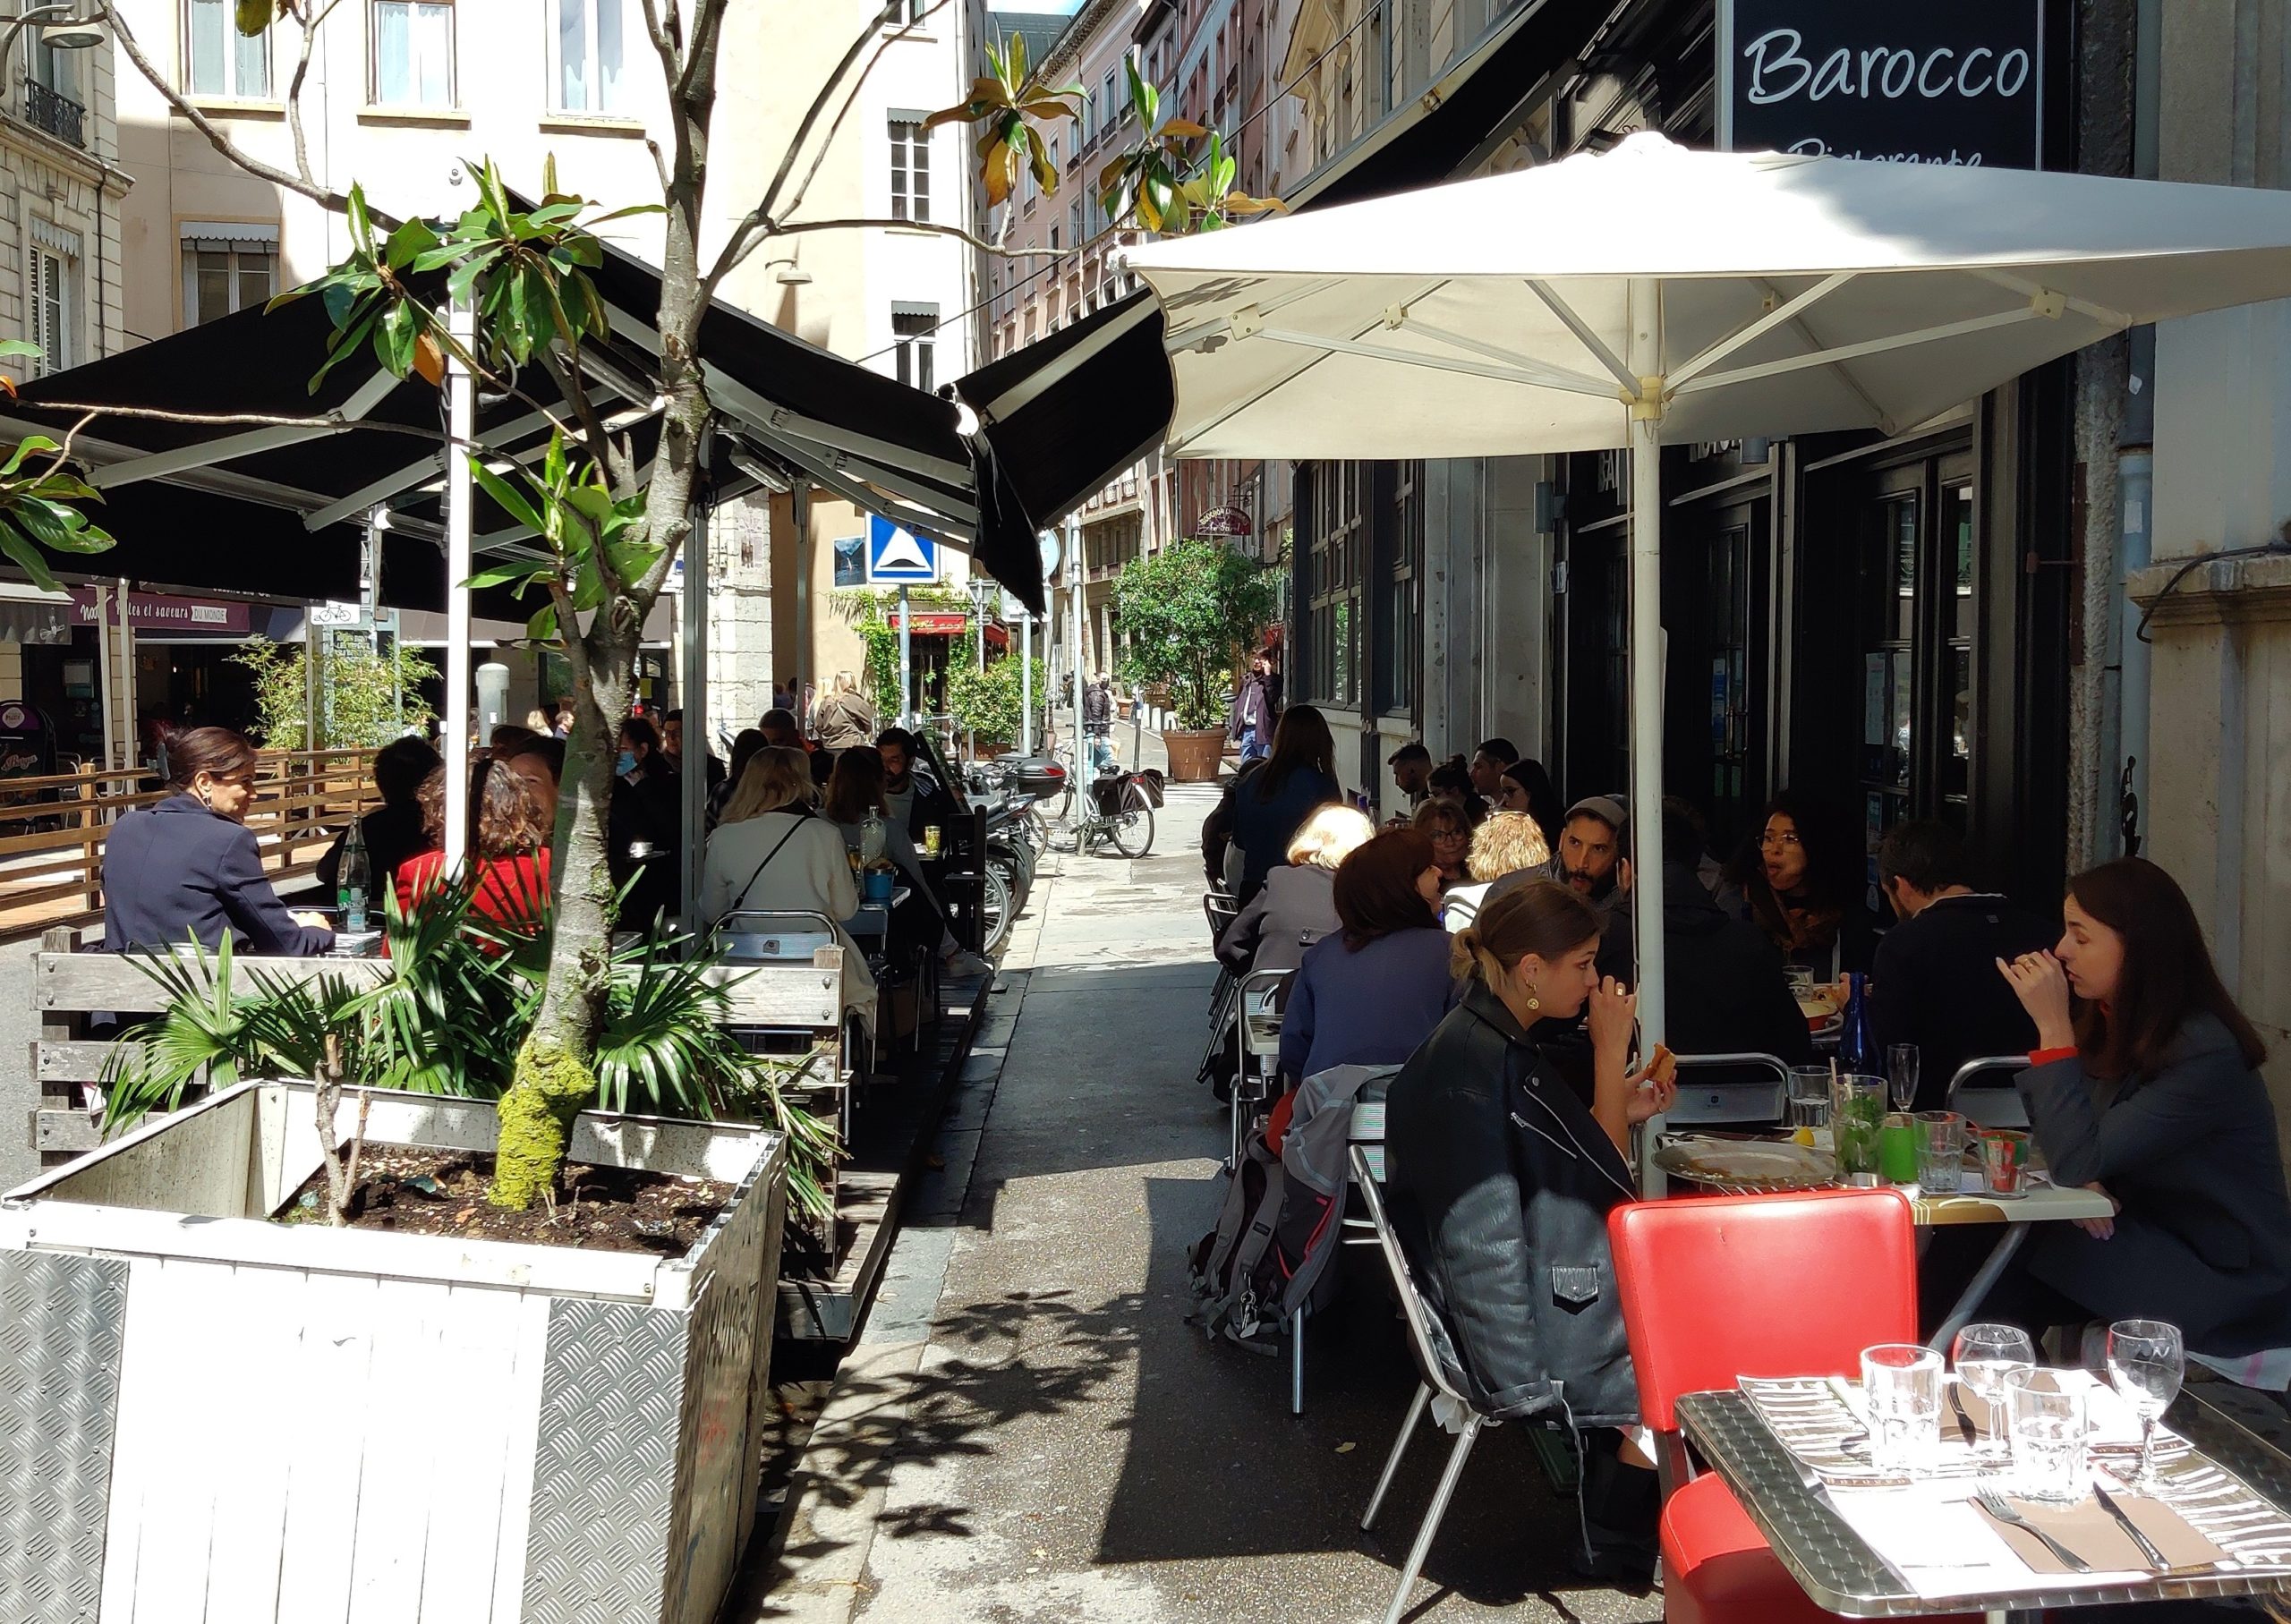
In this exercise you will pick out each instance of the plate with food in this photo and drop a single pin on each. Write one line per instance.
(1744, 1164)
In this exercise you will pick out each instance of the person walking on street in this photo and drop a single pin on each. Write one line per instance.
(1252, 719)
(843, 718)
(1097, 721)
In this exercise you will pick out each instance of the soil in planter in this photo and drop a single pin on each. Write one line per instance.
(416, 1190)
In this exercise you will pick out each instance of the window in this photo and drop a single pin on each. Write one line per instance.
(587, 45)
(53, 276)
(413, 62)
(220, 61)
(1338, 515)
(225, 273)
(1053, 239)
(1400, 619)
(1112, 114)
(1074, 224)
(910, 169)
(913, 327)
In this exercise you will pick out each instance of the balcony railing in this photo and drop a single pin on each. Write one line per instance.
(59, 115)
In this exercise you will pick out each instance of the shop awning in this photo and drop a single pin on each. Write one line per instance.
(1066, 413)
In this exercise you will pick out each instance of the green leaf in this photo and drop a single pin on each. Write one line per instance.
(407, 243)
(54, 525)
(522, 572)
(25, 556)
(11, 348)
(32, 444)
(362, 227)
(542, 626)
(509, 498)
(394, 338)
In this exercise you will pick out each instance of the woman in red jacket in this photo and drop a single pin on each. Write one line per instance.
(508, 848)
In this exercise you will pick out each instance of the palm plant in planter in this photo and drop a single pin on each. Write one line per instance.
(1185, 614)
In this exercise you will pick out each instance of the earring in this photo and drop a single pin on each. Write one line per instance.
(1533, 1001)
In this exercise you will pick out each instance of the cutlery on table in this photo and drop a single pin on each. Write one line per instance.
(1997, 1507)
(2109, 1504)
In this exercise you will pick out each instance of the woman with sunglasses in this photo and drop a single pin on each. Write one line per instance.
(189, 870)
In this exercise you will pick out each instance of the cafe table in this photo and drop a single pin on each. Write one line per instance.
(1840, 1571)
(873, 919)
(2040, 1202)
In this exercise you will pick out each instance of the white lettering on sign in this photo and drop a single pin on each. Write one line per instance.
(1780, 70)
(1813, 146)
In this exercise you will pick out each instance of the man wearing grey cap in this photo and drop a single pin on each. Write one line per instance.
(1590, 859)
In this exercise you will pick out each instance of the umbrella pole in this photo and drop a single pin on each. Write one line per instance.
(1646, 656)
(461, 397)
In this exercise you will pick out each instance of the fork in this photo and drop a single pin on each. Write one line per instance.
(1999, 1507)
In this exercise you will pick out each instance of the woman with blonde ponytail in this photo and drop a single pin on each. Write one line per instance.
(1500, 1179)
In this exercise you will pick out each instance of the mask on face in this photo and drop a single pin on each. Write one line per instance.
(626, 764)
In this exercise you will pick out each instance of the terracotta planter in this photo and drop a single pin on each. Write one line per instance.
(1195, 753)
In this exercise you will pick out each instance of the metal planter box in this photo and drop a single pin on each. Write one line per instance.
(204, 1415)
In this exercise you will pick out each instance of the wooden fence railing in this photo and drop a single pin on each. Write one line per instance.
(53, 828)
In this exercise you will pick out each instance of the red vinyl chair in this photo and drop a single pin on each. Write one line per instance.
(1718, 1287)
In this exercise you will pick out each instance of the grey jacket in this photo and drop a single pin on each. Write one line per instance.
(1500, 1185)
(2192, 1158)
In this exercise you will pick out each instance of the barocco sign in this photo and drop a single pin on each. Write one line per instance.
(1941, 81)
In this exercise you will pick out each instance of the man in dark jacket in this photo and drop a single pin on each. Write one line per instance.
(1097, 720)
(1935, 982)
(912, 794)
(1724, 991)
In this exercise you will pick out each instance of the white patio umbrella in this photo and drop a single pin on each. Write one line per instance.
(1655, 295)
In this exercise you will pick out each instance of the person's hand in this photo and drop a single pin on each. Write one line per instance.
(1615, 1009)
(2099, 1228)
(316, 921)
(2037, 981)
(1652, 1089)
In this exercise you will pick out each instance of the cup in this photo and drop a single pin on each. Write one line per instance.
(1857, 1110)
(2048, 1428)
(2003, 1161)
(879, 885)
(930, 842)
(1903, 1384)
(1809, 1096)
(1800, 981)
(1940, 1152)
(1897, 1148)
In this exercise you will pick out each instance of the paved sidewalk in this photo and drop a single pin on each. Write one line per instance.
(1029, 1429)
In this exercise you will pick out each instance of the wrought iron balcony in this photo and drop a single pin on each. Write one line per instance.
(59, 115)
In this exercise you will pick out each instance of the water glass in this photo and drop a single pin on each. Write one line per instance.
(2049, 1429)
(1903, 1382)
(2003, 1161)
(2147, 1362)
(1901, 1072)
(1800, 981)
(1985, 1355)
(1940, 1152)
(1857, 1110)
(1809, 1096)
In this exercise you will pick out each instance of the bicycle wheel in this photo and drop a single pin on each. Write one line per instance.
(1131, 829)
(996, 911)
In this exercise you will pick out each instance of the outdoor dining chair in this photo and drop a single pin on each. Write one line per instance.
(774, 936)
(1721, 1286)
(1985, 1104)
(1731, 1099)
(1253, 1026)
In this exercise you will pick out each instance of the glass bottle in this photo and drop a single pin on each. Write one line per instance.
(352, 874)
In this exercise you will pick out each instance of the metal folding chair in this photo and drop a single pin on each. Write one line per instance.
(1730, 1103)
(1255, 1025)
(1437, 1374)
(1989, 1106)
(789, 936)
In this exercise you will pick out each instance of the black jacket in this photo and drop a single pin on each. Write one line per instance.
(1295, 908)
(1500, 1183)
(646, 809)
(1936, 985)
(178, 872)
(1723, 991)
(2192, 1156)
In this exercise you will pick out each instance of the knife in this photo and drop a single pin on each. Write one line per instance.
(2147, 1546)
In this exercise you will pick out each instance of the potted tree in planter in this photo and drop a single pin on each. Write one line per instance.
(1186, 614)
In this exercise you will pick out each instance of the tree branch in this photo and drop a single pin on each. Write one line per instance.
(798, 227)
(308, 23)
(827, 142)
(303, 185)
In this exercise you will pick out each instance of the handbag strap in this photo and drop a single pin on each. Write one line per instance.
(802, 812)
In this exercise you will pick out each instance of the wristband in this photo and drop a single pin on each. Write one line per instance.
(2046, 1057)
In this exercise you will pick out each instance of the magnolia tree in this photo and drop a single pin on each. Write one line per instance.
(611, 526)
(1186, 615)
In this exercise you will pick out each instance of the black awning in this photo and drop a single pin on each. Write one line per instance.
(1068, 412)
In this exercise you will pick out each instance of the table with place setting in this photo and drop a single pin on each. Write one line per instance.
(1954, 1522)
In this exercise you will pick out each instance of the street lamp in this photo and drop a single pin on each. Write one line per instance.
(61, 34)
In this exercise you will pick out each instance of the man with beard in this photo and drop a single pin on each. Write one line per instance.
(1589, 860)
(913, 797)
(1487, 765)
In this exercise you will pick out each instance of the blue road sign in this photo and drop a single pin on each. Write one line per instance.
(896, 556)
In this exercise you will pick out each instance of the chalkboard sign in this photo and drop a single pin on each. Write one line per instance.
(1940, 82)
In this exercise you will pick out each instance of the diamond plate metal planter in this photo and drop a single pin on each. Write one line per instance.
(302, 1422)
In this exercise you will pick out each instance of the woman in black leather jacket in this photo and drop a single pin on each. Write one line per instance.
(1499, 1180)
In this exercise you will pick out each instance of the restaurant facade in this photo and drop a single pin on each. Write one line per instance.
(1886, 624)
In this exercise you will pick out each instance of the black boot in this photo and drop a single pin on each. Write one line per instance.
(1620, 1505)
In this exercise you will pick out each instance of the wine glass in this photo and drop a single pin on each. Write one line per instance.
(2147, 1361)
(1900, 1071)
(1984, 1356)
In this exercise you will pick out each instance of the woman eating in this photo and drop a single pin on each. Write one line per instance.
(1297, 905)
(2144, 1085)
(1801, 884)
(1448, 828)
(189, 869)
(1499, 1180)
(508, 848)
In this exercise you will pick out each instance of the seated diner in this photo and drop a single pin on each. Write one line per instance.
(1298, 904)
(508, 862)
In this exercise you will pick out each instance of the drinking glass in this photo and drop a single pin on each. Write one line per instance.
(1809, 1096)
(1857, 1108)
(1901, 1072)
(1940, 1152)
(1800, 981)
(2146, 1364)
(1985, 1356)
(2049, 1428)
(2003, 1161)
(930, 842)
(1903, 1382)
(1897, 1148)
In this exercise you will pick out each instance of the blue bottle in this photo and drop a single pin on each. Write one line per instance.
(1857, 1047)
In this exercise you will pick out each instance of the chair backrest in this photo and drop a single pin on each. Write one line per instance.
(1733, 1102)
(1719, 1287)
(1988, 1104)
(1220, 909)
(763, 936)
(1435, 1351)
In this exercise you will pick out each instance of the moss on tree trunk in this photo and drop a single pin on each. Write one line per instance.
(550, 1087)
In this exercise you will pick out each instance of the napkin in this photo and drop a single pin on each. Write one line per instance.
(2087, 1529)
(1974, 1417)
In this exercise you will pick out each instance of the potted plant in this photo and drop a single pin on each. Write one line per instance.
(989, 703)
(1185, 614)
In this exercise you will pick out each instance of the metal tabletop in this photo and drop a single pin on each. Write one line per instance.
(875, 915)
(1841, 1573)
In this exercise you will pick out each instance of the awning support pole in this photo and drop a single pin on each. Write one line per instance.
(461, 391)
(905, 660)
(129, 735)
(1027, 683)
(1646, 656)
(691, 693)
(103, 671)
